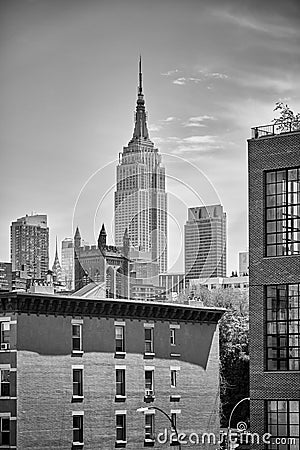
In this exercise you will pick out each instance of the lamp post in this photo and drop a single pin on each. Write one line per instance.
(144, 409)
(230, 417)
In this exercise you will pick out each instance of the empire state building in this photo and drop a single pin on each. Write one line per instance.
(140, 198)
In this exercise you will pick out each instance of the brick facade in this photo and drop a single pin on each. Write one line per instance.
(267, 153)
(42, 344)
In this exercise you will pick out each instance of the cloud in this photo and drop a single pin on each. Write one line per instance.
(170, 119)
(200, 139)
(170, 72)
(197, 121)
(154, 127)
(213, 75)
(180, 81)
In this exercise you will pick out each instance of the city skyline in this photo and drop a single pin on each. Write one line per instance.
(211, 71)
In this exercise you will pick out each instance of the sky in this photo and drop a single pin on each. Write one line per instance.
(68, 85)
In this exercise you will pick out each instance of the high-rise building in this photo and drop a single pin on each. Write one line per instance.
(30, 245)
(5, 276)
(243, 263)
(67, 263)
(140, 198)
(274, 255)
(56, 267)
(205, 242)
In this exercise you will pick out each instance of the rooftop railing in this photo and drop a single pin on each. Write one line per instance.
(274, 128)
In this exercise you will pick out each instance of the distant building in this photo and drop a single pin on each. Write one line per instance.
(274, 250)
(67, 263)
(56, 268)
(205, 242)
(140, 197)
(5, 276)
(173, 284)
(30, 245)
(75, 370)
(102, 263)
(243, 263)
(241, 283)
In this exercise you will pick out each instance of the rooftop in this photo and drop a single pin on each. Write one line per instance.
(274, 129)
(27, 303)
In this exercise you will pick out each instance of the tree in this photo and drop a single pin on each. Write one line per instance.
(287, 120)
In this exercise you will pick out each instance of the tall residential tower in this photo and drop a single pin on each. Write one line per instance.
(30, 245)
(140, 198)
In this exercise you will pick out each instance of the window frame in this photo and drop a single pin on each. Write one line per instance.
(149, 427)
(281, 224)
(77, 383)
(78, 429)
(5, 383)
(121, 428)
(76, 338)
(120, 349)
(278, 423)
(6, 432)
(121, 384)
(149, 342)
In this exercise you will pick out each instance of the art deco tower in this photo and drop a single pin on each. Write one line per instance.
(140, 198)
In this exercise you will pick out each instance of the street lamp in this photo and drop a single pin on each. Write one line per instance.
(149, 408)
(230, 417)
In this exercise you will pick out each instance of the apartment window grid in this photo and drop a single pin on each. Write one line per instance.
(77, 337)
(172, 336)
(121, 427)
(148, 340)
(282, 212)
(282, 327)
(5, 382)
(120, 382)
(78, 428)
(4, 335)
(173, 376)
(4, 431)
(149, 382)
(149, 427)
(78, 382)
(283, 421)
(174, 420)
(119, 338)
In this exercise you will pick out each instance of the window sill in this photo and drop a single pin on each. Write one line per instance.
(120, 355)
(77, 444)
(149, 398)
(175, 355)
(77, 398)
(120, 398)
(120, 444)
(77, 353)
(149, 442)
(7, 397)
(149, 355)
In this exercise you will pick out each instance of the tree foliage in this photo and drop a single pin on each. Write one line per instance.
(287, 120)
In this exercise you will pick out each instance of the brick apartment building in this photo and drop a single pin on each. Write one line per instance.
(74, 371)
(274, 226)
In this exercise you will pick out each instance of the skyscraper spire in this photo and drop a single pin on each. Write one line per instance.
(140, 77)
(140, 127)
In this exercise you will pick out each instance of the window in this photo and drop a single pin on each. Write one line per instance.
(148, 340)
(4, 335)
(174, 420)
(282, 327)
(120, 382)
(77, 428)
(283, 422)
(173, 377)
(120, 427)
(149, 427)
(78, 382)
(119, 335)
(149, 382)
(282, 212)
(4, 430)
(77, 337)
(172, 336)
(5, 382)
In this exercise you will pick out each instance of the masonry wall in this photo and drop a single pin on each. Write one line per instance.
(276, 152)
(45, 381)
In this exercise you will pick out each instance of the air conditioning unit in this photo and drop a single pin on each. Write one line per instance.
(149, 393)
(4, 346)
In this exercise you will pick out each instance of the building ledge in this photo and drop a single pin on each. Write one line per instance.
(77, 353)
(120, 398)
(77, 398)
(120, 444)
(120, 355)
(26, 303)
(149, 355)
